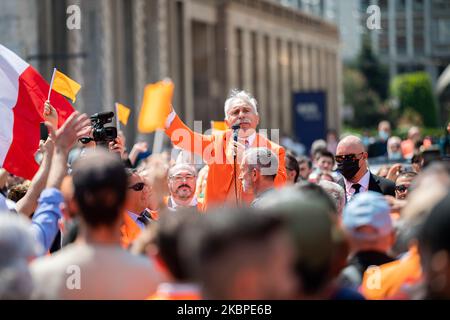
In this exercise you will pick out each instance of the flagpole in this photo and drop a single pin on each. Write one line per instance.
(158, 140)
(51, 84)
(117, 117)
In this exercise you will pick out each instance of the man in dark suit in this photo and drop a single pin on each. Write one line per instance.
(351, 163)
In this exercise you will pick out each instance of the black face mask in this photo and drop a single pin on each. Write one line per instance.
(348, 168)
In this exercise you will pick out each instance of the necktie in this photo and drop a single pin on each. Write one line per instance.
(247, 144)
(144, 218)
(356, 186)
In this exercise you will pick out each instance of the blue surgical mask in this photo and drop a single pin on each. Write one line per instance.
(395, 156)
(383, 135)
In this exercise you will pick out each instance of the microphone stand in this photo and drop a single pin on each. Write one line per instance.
(235, 138)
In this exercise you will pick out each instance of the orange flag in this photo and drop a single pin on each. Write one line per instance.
(122, 113)
(156, 106)
(218, 126)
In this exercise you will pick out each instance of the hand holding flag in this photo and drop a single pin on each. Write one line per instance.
(50, 114)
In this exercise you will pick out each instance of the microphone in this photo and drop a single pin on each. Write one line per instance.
(235, 129)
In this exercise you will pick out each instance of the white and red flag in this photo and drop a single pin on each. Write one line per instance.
(23, 92)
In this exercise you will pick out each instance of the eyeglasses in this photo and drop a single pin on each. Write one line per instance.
(138, 186)
(401, 188)
(347, 157)
(182, 178)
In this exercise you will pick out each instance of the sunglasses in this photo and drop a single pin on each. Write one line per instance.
(347, 157)
(401, 188)
(138, 186)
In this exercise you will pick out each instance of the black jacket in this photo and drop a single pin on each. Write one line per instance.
(377, 184)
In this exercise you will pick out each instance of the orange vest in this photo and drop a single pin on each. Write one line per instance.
(393, 276)
(216, 151)
(129, 230)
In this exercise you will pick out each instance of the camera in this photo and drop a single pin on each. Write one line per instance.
(101, 134)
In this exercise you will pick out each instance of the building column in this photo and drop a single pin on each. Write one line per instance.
(286, 91)
(107, 67)
(275, 99)
(262, 74)
(305, 67)
(313, 68)
(409, 29)
(247, 61)
(189, 109)
(338, 96)
(75, 67)
(139, 50)
(374, 34)
(295, 67)
(331, 91)
(392, 39)
(427, 27)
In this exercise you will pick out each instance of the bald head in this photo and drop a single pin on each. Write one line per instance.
(349, 145)
(351, 156)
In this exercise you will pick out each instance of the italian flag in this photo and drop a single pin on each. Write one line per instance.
(23, 92)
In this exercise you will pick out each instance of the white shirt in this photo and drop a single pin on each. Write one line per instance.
(364, 182)
(172, 205)
(135, 217)
(104, 272)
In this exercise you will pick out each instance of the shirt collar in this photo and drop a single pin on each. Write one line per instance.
(251, 138)
(364, 182)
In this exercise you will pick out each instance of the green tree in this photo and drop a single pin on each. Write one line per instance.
(364, 101)
(375, 72)
(414, 91)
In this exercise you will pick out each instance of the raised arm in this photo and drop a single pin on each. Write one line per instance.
(27, 205)
(183, 137)
(45, 219)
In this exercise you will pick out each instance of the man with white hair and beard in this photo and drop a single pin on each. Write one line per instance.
(182, 184)
(222, 153)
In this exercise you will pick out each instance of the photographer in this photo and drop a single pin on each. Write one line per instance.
(107, 137)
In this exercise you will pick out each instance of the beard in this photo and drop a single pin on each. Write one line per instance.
(184, 192)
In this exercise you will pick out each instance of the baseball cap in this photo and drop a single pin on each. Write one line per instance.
(367, 209)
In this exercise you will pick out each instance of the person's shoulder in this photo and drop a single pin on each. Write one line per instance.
(134, 261)
(57, 260)
(383, 181)
(263, 140)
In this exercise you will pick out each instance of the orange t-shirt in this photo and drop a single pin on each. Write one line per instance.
(392, 276)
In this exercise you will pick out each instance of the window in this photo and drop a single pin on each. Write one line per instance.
(443, 30)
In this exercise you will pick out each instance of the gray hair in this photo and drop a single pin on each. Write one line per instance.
(181, 166)
(262, 159)
(17, 246)
(240, 97)
(336, 193)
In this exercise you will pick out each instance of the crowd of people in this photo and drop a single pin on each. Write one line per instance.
(253, 221)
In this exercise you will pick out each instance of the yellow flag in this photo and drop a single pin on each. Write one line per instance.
(218, 126)
(156, 106)
(65, 86)
(123, 113)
